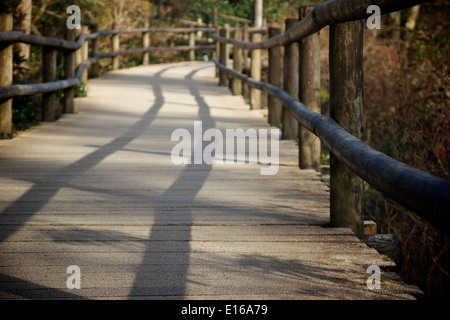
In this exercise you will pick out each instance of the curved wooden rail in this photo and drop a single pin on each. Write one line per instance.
(418, 191)
(323, 15)
(140, 30)
(421, 192)
(31, 89)
(18, 36)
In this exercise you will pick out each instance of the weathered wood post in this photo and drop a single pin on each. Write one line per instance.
(275, 72)
(95, 68)
(78, 54)
(115, 42)
(223, 78)
(255, 73)
(6, 77)
(215, 23)
(309, 94)
(146, 44)
(245, 64)
(85, 54)
(199, 24)
(69, 71)
(258, 13)
(346, 107)
(49, 75)
(237, 61)
(192, 44)
(24, 24)
(215, 17)
(290, 125)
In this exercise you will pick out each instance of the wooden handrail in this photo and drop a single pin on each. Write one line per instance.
(325, 14)
(425, 194)
(19, 36)
(31, 89)
(73, 77)
(140, 30)
(221, 15)
(421, 192)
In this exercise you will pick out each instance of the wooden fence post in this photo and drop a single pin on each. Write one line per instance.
(192, 44)
(346, 104)
(199, 24)
(275, 72)
(146, 44)
(223, 78)
(215, 17)
(237, 62)
(78, 54)
(115, 42)
(290, 125)
(69, 71)
(49, 75)
(245, 64)
(85, 54)
(255, 73)
(6, 77)
(215, 24)
(95, 67)
(309, 95)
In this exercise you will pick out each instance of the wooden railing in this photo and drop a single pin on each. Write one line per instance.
(295, 109)
(351, 160)
(73, 75)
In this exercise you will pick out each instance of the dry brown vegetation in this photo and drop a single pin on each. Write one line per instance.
(407, 117)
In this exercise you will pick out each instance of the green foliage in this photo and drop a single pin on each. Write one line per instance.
(80, 90)
(25, 113)
(325, 159)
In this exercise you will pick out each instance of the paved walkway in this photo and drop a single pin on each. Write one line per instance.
(99, 190)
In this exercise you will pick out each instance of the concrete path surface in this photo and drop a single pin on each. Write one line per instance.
(99, 190)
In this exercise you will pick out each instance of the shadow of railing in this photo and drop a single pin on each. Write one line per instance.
(145, 286)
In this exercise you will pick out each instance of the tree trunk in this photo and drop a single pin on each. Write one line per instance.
(258, 13)
(24, 10)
